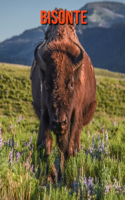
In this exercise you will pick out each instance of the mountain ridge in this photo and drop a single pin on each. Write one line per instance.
(104, 44)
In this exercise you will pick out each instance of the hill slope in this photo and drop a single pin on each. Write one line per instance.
(15, 92)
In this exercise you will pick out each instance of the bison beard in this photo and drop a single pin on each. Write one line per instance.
(63, 90)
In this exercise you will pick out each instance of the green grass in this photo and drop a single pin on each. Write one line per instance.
(101, 161)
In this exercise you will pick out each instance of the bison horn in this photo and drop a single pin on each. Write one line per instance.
(40, 61)
(78, 61)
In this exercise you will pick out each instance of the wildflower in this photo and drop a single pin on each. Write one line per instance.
(24, 143)
(4, 142)
(117, 186)
(106, 137)
(9, 142)
(81, 146)
(11, 127)
(114, 123)
(32, 146)
(93, 142)
(17, 156)
(99, 138)
(106, 190)
(12, 142)
(76, 151)
(28, 143)
(0, 138)
(27, 164)
(75, 185)
(30, 139)
(19, 119)
(11, 157)
(85, 180)
(88, 134)
(31, 168)
(102, 130)
(102, 146)
(89, 182)
(90, 149)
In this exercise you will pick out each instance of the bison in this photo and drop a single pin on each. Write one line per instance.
(63, 89)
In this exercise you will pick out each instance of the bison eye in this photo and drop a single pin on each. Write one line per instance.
(72, 85)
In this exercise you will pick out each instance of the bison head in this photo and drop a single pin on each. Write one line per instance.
(59, 64)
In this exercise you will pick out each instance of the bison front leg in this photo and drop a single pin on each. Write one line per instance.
(45, 138)
(75, 134)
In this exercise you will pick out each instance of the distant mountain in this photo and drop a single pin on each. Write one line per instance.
(104, 14)
(105, 46)
(103, 38)
(19, 49)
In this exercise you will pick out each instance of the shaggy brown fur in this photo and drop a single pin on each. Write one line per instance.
(60, 93)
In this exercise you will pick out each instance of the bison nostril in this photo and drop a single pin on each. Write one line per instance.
(64, 121)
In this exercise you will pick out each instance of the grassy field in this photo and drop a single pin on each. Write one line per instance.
(97, 171)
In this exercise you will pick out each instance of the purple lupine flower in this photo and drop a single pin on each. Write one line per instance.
(82, 147)
(90, 149)
(28, 143)
(27, 164)
(31, 139)
(11, 127)
(115, 186)
(0, 138)
(88, 134)
(89, 182)
(24, 143)
(102, 146)
(11, 157)
(102, 130)
(17, 156)
(85, 180)
(4, 142)
(19, 119)
(12, 142)
(75, 185)
(106, 137)
(114, 123)
(106, 190)
(99, 138)
(93, 142)
(119, 188)
(31, 168)
(32, 146)
(9, 142)
(98, 148)
(76, 151)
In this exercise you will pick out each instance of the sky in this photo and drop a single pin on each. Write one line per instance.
(17, 16)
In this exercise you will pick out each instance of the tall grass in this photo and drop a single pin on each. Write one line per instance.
(97, 171)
